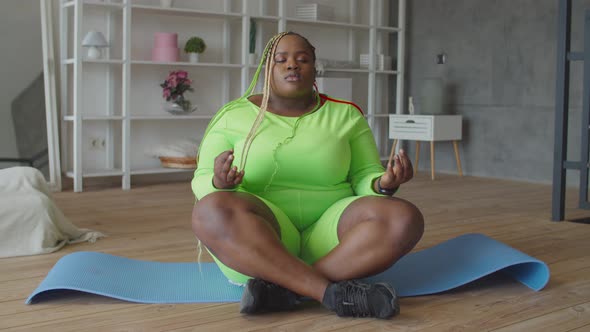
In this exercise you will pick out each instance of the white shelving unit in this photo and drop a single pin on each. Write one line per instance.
(111, 100)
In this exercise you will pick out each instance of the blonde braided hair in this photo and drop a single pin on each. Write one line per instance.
(268, 59)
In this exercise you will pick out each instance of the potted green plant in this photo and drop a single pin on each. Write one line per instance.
(195, 46)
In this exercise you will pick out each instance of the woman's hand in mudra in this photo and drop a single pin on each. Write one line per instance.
(400, 172)
(225, 176)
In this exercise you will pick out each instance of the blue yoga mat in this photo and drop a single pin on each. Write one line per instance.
(440, 268)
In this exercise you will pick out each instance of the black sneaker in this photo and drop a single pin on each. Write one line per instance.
(356, 299)
(263, 296)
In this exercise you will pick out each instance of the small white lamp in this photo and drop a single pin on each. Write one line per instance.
(93, 40)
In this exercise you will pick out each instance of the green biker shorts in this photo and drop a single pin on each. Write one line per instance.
(311, 244)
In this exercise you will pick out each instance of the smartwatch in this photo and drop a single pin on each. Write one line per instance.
(383, 191)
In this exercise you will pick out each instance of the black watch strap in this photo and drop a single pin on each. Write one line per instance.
(383, 191)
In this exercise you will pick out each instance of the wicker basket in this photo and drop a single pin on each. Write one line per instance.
(179, 162)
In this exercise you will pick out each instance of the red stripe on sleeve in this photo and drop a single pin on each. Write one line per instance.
(325, 97)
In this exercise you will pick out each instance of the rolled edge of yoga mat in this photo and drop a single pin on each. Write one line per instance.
(460, 261)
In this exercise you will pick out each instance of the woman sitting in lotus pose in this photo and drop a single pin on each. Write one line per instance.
(312, 211)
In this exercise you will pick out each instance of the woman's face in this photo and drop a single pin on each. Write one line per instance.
(294, 71)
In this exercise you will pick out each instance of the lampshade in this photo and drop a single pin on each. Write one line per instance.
(94, 39)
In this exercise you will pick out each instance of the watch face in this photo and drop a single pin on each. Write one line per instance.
(386, 192)
(383, 191)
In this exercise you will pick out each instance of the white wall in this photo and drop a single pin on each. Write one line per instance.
(20, 35)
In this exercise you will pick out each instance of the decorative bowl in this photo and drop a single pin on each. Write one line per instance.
(179, 162)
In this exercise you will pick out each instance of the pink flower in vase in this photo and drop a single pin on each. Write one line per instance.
(174, 87)
(166, 93)
(172, 82)
(181, 74)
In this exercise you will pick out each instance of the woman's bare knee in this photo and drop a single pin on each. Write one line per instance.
(220, 213)
(399, 220)
(214, 214)
(405, 223)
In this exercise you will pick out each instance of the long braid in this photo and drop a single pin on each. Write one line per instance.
(267, 57)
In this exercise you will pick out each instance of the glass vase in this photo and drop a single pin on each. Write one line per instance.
(180, 106)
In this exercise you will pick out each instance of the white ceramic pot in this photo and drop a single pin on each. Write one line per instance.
(166, 3)
(193, 57)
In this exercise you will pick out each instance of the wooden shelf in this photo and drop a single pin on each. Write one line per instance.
(118, 172)
(95, 117)
(183, 12)
(103, 4)
(171, 117)
(188, 64)
(349, 70)
(139, 117)
(161, 170)
(97, 173)
(377, 115)
(94, 61)
(265, 18)
(96, 4)
(387, 72)
(341, 24)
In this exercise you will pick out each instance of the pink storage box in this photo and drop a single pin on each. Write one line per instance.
(165, 40)
(165, 54)
(165, 47)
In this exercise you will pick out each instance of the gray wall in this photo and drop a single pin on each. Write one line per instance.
(500, 75)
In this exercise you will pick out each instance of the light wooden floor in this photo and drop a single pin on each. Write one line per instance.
(153, 223)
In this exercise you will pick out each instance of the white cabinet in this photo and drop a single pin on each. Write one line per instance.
(111, 108)
(427, 128)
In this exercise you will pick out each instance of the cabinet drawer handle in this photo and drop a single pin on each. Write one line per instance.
(410, 121)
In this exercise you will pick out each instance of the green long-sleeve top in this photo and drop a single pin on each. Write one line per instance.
(301, 164)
